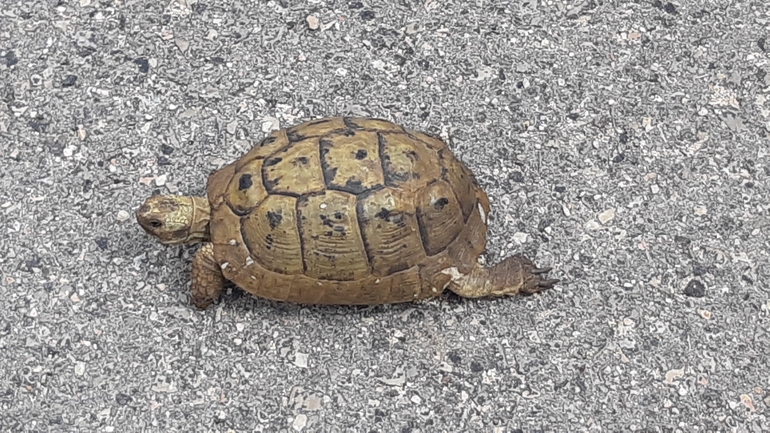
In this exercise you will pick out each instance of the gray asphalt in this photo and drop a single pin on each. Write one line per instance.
(626, 144)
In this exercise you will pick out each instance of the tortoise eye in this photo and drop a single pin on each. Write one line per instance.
(156, 224)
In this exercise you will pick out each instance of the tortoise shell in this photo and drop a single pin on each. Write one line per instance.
(346, 211)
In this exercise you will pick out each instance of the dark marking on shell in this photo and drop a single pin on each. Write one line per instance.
(348, 133)
(294, 136)
(274, 219)
(300, 230)
(302, 160)
(267, 140)
(361, 154)
(392, 177)
(353, 186)
(440, 203)
(269, 162)
(269, 242)
(270, 184)
(338, 215)
(325, 145)
(396, 176)
(361, 218)
(424, 233)
(391, 217)
(350, 123)
(329, 172)
(383, 214)
(326, 221)
(398, 219)
(245, 182)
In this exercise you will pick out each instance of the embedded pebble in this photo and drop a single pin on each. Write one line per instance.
(312, 22)
(520, 237)
(270, 124)
(123, 215)
(299, 422)
(748, 402)
(81, 132)
(607, 216)
(673, 375)
(182, 44)
(160, 180)
(300, 360)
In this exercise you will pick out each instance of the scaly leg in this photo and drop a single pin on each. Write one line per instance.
(514, 275)
(207, 278)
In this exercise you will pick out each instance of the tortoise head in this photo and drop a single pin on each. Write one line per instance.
(175, 219)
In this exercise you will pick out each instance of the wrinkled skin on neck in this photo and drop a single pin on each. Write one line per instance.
(175, 219)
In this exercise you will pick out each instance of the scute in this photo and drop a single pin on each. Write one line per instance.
(245, 190)
(331, 239)
(461, 180)
(440, 216)
(407, 164)
(270, 233)
(390, 231)
(351, 162)
(470, 242)
(294, 170)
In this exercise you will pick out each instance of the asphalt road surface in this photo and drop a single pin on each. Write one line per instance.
(624, 143)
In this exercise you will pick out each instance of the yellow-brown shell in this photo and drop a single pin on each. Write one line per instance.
(346, 211)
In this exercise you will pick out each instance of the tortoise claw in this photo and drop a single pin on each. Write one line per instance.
(538, 271)
(539, 286)
(547, 284)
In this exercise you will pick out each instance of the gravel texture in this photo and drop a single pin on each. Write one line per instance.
(626, 144)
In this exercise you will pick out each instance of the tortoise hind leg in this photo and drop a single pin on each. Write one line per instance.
(514, 275)
(207, 278)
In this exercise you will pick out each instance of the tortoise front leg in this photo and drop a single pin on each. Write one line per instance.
(207, 278)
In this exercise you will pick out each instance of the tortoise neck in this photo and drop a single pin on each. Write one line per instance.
(201, 215)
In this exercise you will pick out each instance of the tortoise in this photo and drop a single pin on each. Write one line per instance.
(341, 211)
